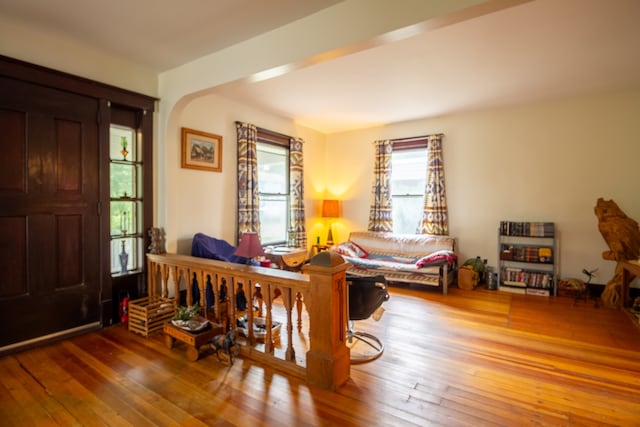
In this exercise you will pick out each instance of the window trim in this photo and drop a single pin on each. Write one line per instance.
(411, 143)
(268, 137)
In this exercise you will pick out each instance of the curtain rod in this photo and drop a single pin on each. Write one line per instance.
(269, 132)
(416, 138)
(281, 135)
(273, 133)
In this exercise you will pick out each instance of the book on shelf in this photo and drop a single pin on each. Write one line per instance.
(537, 254)
(527, 229)
(515, 284)
(538, 292)
(513, 289)
(519, 277)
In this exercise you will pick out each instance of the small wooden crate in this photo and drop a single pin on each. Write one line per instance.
(148, 315)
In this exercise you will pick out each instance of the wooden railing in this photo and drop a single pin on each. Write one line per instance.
(321, 288)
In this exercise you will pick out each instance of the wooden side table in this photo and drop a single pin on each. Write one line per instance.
(194, 340)
(316, 249)
(290, 259)
(630, 270)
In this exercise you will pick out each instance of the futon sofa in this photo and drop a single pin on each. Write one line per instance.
(409, 258)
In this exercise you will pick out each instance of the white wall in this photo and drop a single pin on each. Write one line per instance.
(496, 167)
(355, 24)
(543, 162)
(202, 201)
(49, 49)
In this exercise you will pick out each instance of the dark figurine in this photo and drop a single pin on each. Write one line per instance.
(225, 343)
(241, 299)
(223, 291)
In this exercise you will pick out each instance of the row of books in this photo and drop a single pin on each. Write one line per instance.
(516, 277)
(528, 291)
(526, 253)
(527, 229)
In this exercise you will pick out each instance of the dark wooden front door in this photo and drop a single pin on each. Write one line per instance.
(49, 211)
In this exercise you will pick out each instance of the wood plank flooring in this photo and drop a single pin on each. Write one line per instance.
(471, 358)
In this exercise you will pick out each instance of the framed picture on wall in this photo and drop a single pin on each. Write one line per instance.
(201, 150)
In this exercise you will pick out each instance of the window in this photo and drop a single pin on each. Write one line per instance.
(408, 179)
(273, 189)
(125, 177)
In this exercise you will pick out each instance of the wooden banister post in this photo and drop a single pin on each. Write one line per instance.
(328, 364)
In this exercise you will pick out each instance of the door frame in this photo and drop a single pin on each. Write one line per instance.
(106, 95)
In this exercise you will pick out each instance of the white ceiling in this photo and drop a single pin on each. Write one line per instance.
(160, 34)
(535, 51)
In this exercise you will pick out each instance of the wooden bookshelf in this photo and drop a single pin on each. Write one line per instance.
(527, 258)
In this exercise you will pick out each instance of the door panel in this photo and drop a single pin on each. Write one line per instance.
(69, 155)
(13, 143)
(13, 257)
(69, 247)
(49, 224)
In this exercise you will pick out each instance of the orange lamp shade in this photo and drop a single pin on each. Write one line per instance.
(330, 208)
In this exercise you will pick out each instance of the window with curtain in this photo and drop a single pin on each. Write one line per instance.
(400, 166)
(273, 191)
(408, 179)
(271, 186)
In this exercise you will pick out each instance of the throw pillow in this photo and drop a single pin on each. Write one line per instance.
(352, 250)
(438, 256)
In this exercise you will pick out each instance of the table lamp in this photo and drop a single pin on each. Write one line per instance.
(250, 246)
(330, 209)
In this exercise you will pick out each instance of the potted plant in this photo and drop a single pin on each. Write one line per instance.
(189, 318)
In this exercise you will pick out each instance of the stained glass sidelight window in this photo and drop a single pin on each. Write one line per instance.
(125, 208)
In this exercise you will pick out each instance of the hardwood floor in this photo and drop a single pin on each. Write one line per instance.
(471, 358)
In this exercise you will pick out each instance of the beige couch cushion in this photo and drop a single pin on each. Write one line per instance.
(401, 245)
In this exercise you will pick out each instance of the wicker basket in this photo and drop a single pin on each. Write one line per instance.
(468, 278)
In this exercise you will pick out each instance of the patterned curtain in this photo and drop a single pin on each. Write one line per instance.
(296, 193)
(380, 218)
(248, 200)
(435, 217)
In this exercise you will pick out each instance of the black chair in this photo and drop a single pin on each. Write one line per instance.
(366, 295)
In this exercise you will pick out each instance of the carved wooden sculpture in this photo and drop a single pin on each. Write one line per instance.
(158, 240)
(622, 235)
